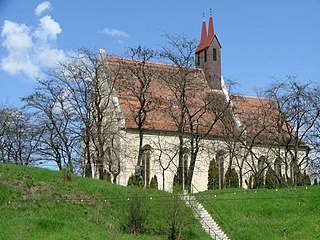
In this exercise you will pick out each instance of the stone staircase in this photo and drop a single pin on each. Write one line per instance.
(207, 222)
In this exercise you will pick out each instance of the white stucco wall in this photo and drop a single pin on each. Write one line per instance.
(169, 145)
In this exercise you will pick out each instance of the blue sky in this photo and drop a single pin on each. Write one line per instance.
(260, 39)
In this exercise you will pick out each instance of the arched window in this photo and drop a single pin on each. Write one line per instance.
(146, 156)
(277, 167)
(220, 165)
(259, 175)
(293, 170)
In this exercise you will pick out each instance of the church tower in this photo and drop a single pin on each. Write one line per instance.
(208, 55)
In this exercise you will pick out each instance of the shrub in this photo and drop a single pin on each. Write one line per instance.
(250, 182)
(175, 184)
(135, 181)
(231, 178)
(106, 176)
(178, 217)
(213, 176)
(289, 182)
(306, 179)
(315, 181)
(67, 173)
(136, 213)
(154, 182)
(271, 179)
(258, 181)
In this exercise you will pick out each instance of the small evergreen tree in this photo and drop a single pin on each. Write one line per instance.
(250, 182)
(306, 179)
(154, 182)
(175, 184)
(132, 180)
(213, 176)
(315, 181)
(106, 176)
(271, 179)
(258, 181)
(231, 178)
(135, 181)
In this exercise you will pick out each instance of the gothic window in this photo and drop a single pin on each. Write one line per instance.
(277, 167)
(198, 59)
(214, 54)
(261, 164)
(146, 156)
(293, 169)
(220, 166)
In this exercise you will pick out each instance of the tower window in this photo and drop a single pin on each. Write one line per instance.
(198, 59)
(205, 55)
(214, 54)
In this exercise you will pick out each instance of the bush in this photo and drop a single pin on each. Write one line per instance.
(67, 173)
(213, 176)
(258, 180)
(175, 184)
(135, 181)
(231, 178)
(106, 176)
(306, 179)
(289, 182)
(136, 213)
(178, 217)
(315, 181)
(250, 182)
(271, 179)
(154, 182)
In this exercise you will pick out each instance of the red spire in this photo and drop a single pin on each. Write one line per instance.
(210, 30)
(204, 35)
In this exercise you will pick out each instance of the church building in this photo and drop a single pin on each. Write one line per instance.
(172, 121)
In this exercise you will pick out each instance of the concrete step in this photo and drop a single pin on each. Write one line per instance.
(205, 219)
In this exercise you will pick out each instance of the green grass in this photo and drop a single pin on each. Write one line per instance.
(40, 204)
(265, 213)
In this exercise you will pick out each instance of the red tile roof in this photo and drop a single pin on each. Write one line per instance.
(262, 119)
(163, 108)
(259, 115)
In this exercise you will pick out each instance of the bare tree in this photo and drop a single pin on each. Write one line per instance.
(298, 113)
(134, 77)
(58, 141)
(167, 152)
(190, 104)
(19, 137)
(76, 111)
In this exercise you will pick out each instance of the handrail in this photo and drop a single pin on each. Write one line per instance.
(216, 237)
(208, 202)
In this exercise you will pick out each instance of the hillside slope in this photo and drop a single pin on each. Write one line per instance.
(265, 213)
(42, 204)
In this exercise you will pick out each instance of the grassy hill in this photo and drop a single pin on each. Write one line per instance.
(42, 204)
(264, 214)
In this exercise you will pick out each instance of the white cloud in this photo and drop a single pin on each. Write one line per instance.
(49, 56)
(42, 7)
(17, 36)
(114, 32)
(30, 49)
(48, 29)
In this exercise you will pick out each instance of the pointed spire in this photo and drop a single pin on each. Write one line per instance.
(210, 28)
(204, 35)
